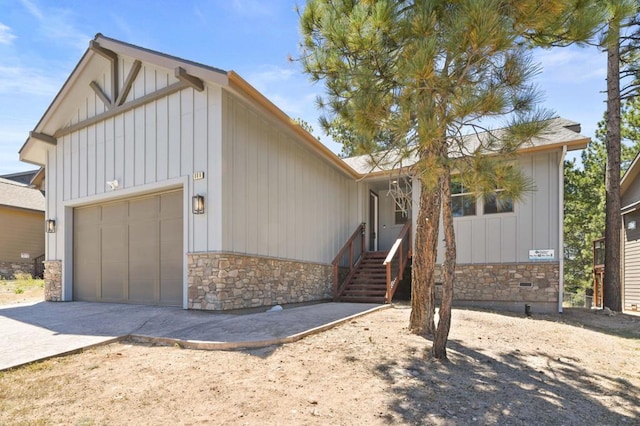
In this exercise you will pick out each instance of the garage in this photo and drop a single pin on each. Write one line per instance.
(130, 251)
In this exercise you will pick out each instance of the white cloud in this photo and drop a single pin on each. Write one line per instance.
(58, 24)
(16, 80)
(269, 75)
(572, 64)
(6, 37)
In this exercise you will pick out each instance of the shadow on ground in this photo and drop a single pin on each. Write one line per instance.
(475, 388)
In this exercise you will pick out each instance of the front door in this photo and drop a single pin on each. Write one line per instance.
(373, 221)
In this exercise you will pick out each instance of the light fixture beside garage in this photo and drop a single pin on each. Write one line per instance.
(50, 226)
(197, 203)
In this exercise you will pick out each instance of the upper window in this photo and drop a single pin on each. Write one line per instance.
(497, 203)
(463, 202)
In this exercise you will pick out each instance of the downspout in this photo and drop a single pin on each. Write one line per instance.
(561, 228)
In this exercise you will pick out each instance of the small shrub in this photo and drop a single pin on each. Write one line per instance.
(18, 290)
(23, 277)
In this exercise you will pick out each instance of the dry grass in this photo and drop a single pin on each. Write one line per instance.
(22, 289)
(503, 369)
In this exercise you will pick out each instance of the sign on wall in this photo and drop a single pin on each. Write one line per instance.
(542, 254)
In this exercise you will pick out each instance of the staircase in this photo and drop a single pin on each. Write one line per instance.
(368, 284)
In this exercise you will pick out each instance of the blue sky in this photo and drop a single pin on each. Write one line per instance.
(42, 40)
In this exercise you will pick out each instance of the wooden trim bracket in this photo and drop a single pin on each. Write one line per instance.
(43, 137)
(166, 91)
(128, 83)
(113, 58)
(194, 82)
(100, 93)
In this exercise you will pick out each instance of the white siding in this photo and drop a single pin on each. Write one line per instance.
(279, 198)
(162, 141)
(508, 237)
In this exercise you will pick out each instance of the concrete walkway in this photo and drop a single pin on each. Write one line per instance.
(38, 331)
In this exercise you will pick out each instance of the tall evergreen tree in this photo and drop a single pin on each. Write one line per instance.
(427, 72)
(620, 40)
(585, 196)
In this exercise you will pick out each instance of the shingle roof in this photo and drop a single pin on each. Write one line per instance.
(559, 132)
(15, 194)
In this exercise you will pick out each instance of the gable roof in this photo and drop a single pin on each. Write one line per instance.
(55, 118)
(15, 194)
(630, 175)
(560, 132)
(22, 177)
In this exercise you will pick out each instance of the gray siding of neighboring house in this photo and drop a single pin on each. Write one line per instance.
(632, 194)
(631, 270)
(279, 198)
(631, 249)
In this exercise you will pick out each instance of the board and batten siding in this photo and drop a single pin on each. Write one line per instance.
(508, 237)
(163, 141)
(280, 199)
(631, 271)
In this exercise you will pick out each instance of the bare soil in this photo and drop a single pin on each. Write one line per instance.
(572, 369)
(21, 291)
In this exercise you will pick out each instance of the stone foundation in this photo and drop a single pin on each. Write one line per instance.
(53, 280)
(505, 286)
(222, 281)
(8, 270)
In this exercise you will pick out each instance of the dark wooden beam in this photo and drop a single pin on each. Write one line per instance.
(166, 91)
(195, 82)
(113, 58)
(128, 83)
(103, 97)
(43, 137)
(105, 53)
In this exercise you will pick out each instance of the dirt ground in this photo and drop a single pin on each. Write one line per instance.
(572, 369)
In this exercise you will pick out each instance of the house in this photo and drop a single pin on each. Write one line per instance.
(174, 183)
(21, 229)
(630, 237)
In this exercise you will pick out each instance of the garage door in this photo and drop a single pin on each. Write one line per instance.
(129, 251)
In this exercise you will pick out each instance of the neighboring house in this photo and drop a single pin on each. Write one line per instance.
(630, 237)
(21, 229)
(22, 177)
(175, 183)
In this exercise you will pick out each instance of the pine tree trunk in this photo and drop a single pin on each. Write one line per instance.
(612, 284)
(439, 349)
(421, 321)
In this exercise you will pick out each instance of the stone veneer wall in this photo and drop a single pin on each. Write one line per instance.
(52, 280)
(221, 281)
(8, 270)
(500, 283)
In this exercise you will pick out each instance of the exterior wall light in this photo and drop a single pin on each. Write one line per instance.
(197, 204)
(50, 226)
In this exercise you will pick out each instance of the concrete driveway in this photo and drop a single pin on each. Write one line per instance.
(38, 331)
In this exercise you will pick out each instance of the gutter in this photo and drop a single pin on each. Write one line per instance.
(561, 228)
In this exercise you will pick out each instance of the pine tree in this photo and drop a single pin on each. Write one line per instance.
(424, 73)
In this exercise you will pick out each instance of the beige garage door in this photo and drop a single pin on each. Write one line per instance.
(129, 251)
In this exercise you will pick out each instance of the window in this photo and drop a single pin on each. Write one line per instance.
(401, 211)
(463, 202)
(497, 203)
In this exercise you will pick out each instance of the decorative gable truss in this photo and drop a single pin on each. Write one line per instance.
(117, 102)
